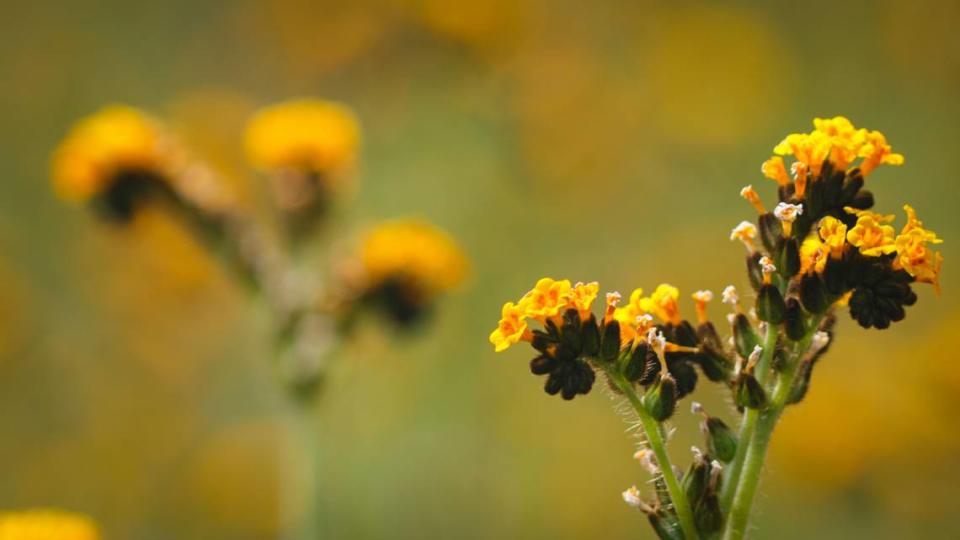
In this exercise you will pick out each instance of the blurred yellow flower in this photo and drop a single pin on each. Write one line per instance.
(583, 296)
(46, 525)
(833, 232)
(811, 149)
(875, 151)
(663, 303)
(812, 255)
(306, 134)
(413, 250)
(112, 140)
(774, 169)
(547, 299)
(845, 140)
(511, 328)
(913, 255)
(627, 315)
(870, 234)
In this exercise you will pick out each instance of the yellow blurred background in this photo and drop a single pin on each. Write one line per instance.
(595, 141)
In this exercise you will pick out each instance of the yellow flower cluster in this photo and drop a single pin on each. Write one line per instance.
(99, 146)
(46, 525)
(549, 298)
(834, 138)
(873, 236)
(309, 134)
(415, 250)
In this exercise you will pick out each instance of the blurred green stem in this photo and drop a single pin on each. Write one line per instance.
(755, 447)
(657, 443)
(303, 501)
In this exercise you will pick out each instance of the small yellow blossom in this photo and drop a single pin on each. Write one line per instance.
(582, 297)
(845, 140)
(306, 134)
(913, 253)
(415, 250)
(701, 299)
(628, 315)
(876, 151)
(511, 328)
(870, 234)
(547, 299)
(811, 149)
(663, 303)
(112, 140)
(812, 255)
(833, 232)
(745, 232)
(751, 195)
(46, 525)
(774, 169)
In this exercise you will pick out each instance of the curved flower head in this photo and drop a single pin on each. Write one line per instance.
(547, 299)
(46, 525)
(511, 328)
(663, 303)
(833, 232)
(870, 234)
(876, 151)
(99, 148)
(307, 134)
(628, 316)
(414, 252)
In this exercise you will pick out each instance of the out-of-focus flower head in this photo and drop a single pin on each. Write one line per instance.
(113, 156)
(408, 263)
(46, 525)
(308, 135)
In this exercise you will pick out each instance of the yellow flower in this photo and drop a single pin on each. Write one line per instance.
(833, 232)
(583, 296)
(663, 303)
(414, 250)
(875, 151)
(46, 525)
(547, 299)
(774, 169)
(845, 139)
(307, 134)
(511, 328)
(98, 147)
(811, 149)
(627, 316)
(812, 255)
(913, 254)
(870, 234)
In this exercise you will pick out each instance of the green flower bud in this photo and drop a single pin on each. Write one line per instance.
(748, 392)
(610, 344)
(771, 232)
(634, 364)
(754, 271)
(813, 294)
(708, 516)
(661, 398)
(697, 480)
(744, 336)
(789, 261)
(770, 305)
(721, 441)
(590, 335)
(793, 320)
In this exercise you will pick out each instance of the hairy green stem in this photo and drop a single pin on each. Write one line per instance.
(747, 479)
(748, 425)
(657, 444)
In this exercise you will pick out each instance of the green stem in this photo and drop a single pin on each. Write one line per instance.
(303, 488)
(747, 479)
(657, 444)
(748, 426)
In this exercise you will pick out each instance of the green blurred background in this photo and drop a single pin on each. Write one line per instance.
(596, 141)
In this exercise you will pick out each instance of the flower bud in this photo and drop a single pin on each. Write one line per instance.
(744, 337)
(634, 365)
(610, 344)
(801, 383)
(665, 525)
(754, 271)
(835, 275)
(771, 232)
(708, 516)
(697, 480)
(661, 399)
(570, 331)
(721, 441)
(813, 294)
(793, 320)
(748, 392)
(590, 335)
(770, 305)
(789, 260)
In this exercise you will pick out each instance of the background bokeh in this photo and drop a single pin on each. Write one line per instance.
(601, 140)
